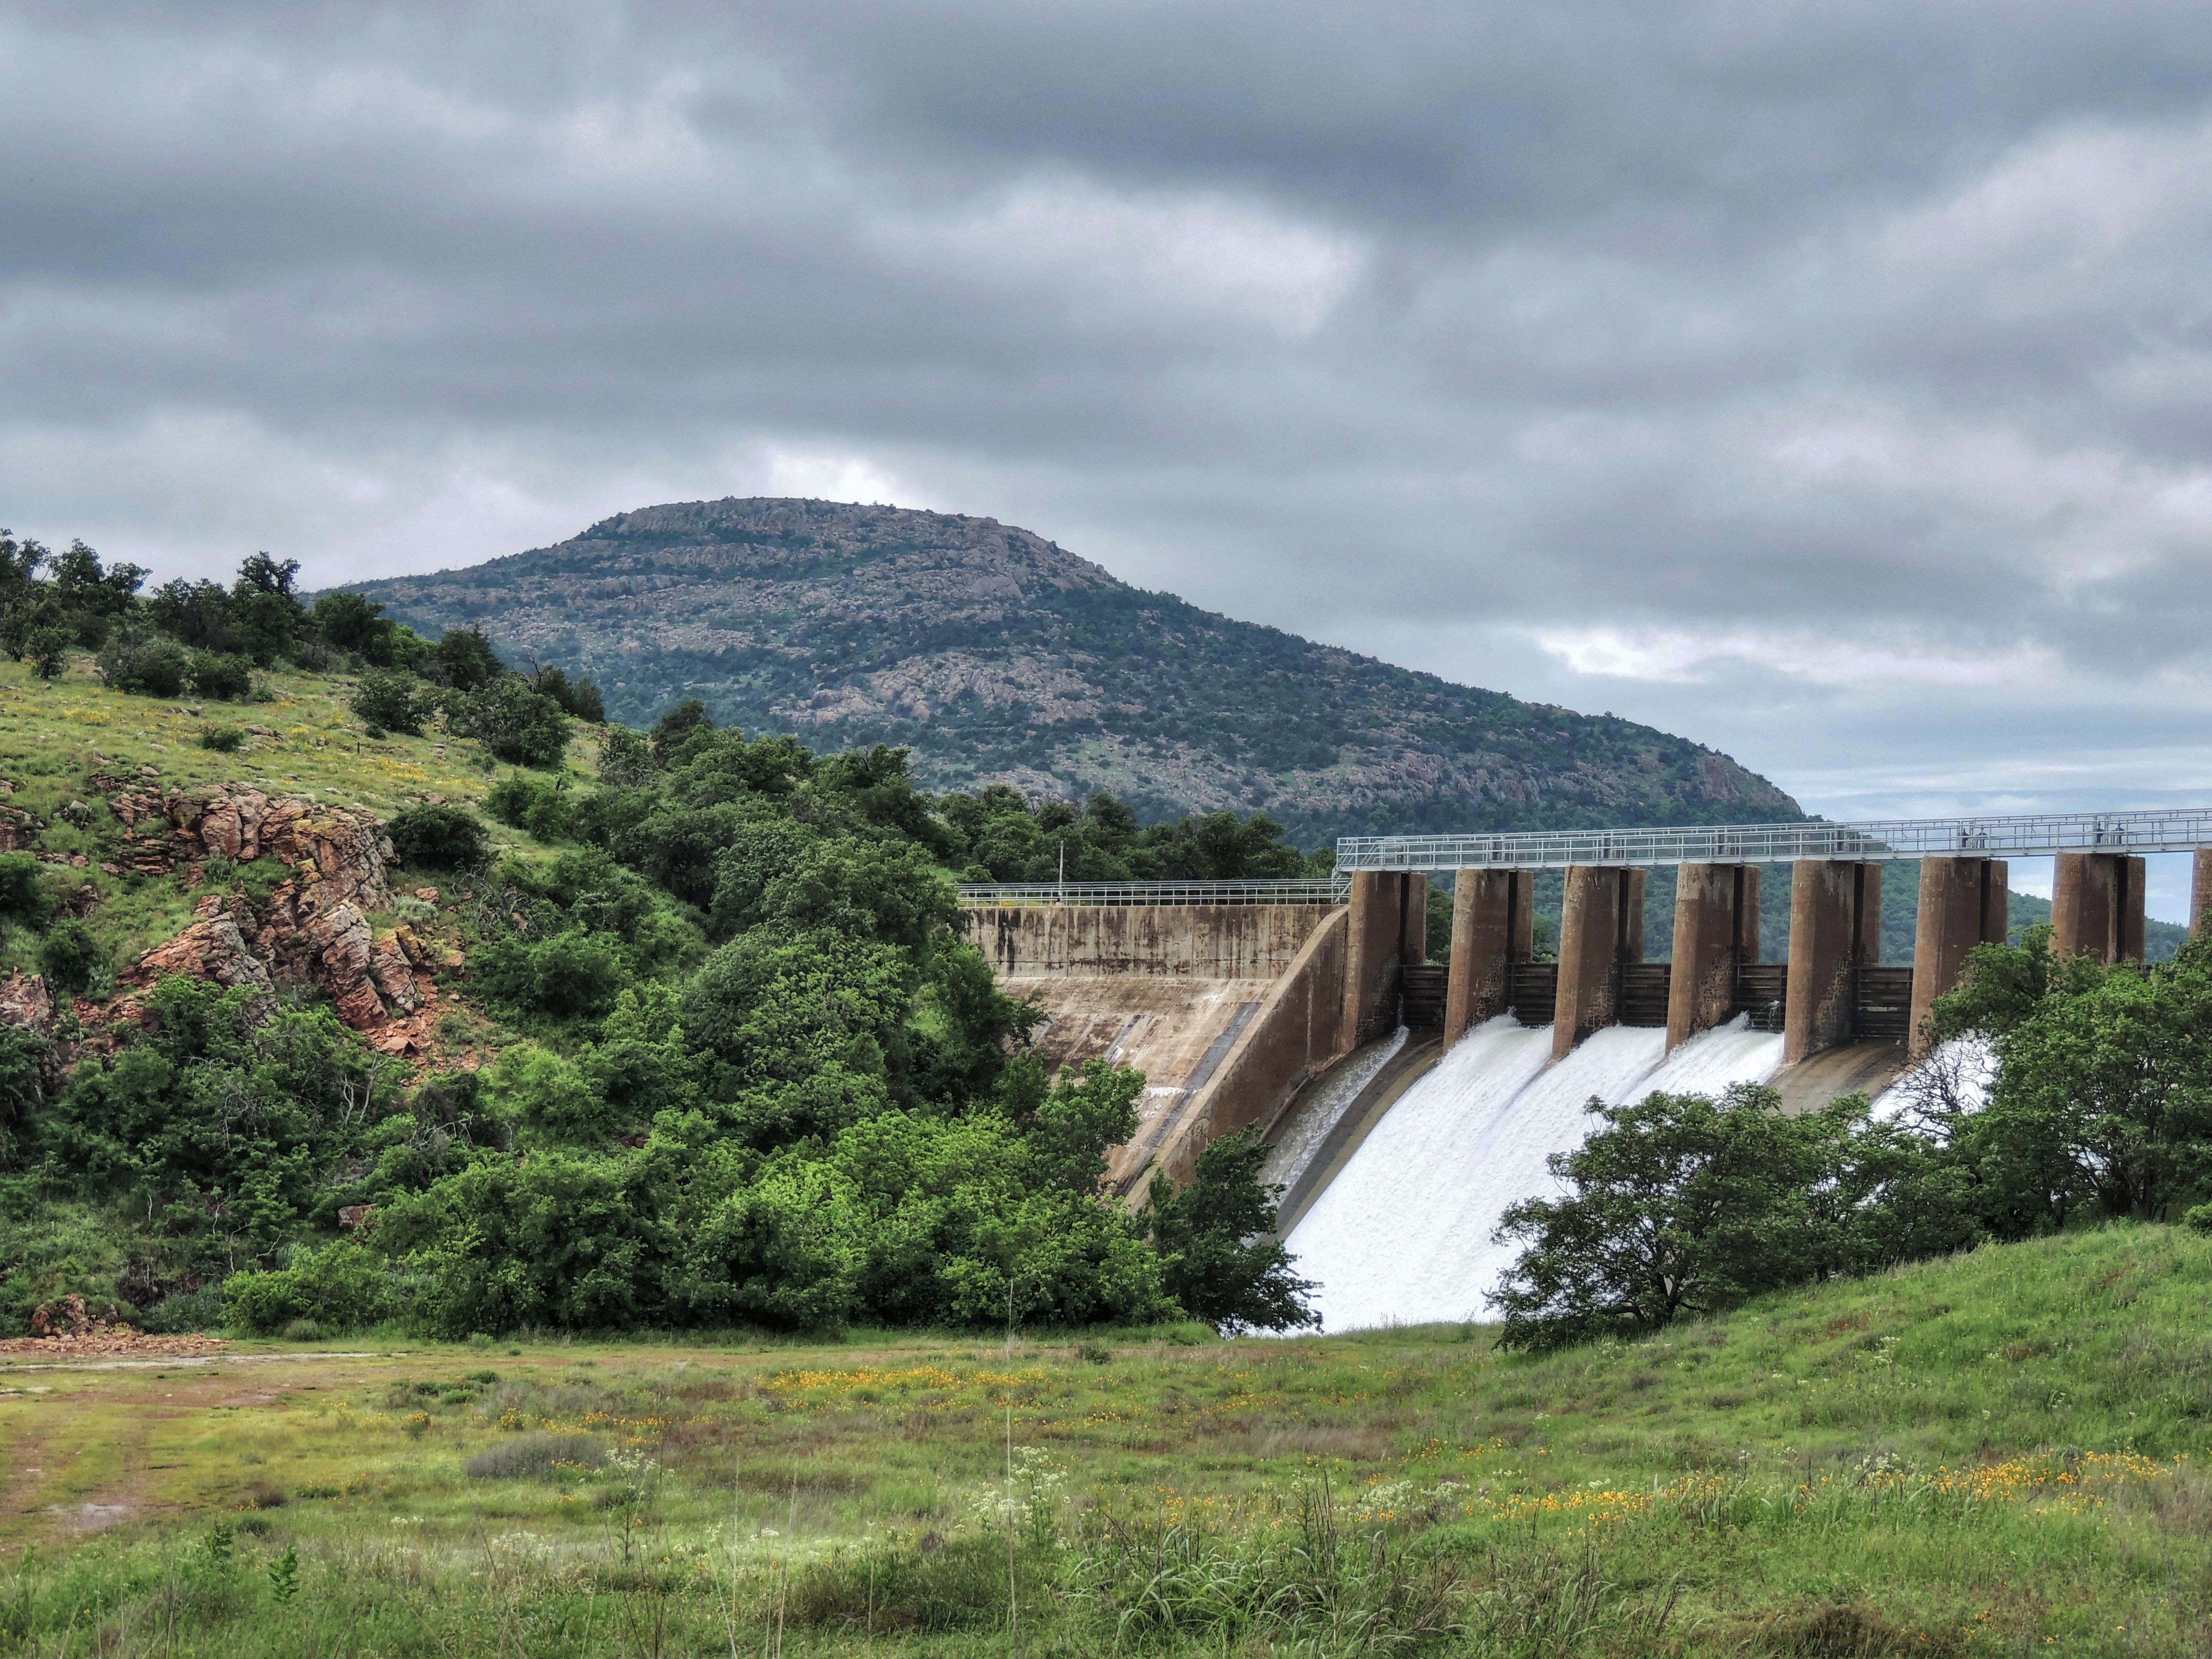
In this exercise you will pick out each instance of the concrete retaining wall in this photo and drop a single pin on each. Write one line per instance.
(1297, 1031)
(1200, 941)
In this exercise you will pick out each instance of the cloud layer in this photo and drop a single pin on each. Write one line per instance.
(1831, 384)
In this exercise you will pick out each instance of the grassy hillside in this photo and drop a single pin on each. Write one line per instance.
(59, 739)
(1000, 656)
(1997, 1453)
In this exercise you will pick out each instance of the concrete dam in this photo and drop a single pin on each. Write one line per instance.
(1407, 1103)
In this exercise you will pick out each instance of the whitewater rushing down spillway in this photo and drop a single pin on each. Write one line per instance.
(1402, 1235)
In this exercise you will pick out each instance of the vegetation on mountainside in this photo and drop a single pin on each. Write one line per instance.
(1997, 1452)
(998, 658)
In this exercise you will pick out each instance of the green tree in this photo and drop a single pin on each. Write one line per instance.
(463, 659)
(1678, 1203)
(1221, 1258)
(393, 701)
(516, 724)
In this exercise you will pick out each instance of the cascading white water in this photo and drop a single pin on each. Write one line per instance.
(1957, 1077)
(1302, 1138)
(1402, 1235)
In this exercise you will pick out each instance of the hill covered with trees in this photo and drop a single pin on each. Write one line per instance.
(998, 657)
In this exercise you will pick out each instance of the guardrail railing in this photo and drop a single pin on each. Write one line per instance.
(2176, 830)
(1328, 889)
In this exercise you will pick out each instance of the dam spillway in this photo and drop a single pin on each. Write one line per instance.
(1402, 1235)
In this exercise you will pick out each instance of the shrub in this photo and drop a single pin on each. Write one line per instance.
(70, 957)
(224, 739)
(341, 1285)
(23, 895)
(184, 1311)
(2199, 1219)
(150, 664)
(393, 701)
(438, 838)
(222, 675)
(570, 974)
(517, 724)
(535, 1457)
(48, 650)
(544, 806)
(625, 758)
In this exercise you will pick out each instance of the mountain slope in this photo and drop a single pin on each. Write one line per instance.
(1000, 656)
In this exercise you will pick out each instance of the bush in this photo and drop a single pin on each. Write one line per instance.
(222, 675)
(571, 974)
(439, 838)
(517, 724)
(393, 701)
(48, 650)
(342, 1286)
(625, 758)
(147, 664)
(2199, 1219)
(184, 1311)
(23, 895)
(70, 956)
(535, 1457)
(224, 739)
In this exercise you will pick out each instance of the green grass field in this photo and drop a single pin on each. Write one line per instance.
(1995, 1453)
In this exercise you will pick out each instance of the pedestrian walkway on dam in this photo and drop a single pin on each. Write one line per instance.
(1233, 996)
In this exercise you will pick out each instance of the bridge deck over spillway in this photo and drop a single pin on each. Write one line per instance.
(2031, 835)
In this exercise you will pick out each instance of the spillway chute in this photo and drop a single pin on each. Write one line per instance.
(1402, 1235)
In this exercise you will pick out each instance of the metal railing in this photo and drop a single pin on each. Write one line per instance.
(2176, 830)
(1328, 889)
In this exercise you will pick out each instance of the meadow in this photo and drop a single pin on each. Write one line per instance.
(1997, 1453)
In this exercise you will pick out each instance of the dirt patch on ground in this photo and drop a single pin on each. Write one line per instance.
(110, 1344)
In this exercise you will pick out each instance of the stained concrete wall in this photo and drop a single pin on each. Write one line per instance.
(2200, 889)
(2097, 907)
(1493, 927)
(1200, 941)
(1379, 918)
(1296, 1032)
(1601, 926)
(1962, 904)
(1716, 930)
(1835, 929)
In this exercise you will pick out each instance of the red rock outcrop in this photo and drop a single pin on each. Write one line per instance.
(312, 929)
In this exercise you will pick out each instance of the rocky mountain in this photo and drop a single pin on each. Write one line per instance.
(1000, 656)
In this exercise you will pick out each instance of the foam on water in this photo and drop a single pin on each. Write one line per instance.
(1300, 1140)
(1402, 1235)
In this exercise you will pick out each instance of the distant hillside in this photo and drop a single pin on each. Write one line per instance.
(1000, 656)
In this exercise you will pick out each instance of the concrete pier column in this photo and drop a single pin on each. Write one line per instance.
(1413, 920)
(1716, 929)
(1373, 953)
(1835, 929)
(1962, 904)
(2097, 906)
(1493, 927)
(1600, 927)
(2200, 888)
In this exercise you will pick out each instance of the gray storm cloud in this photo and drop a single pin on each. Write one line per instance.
(1831, 384)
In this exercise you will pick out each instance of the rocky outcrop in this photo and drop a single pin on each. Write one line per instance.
(26, 1004)
(312, 929)
(213, 948)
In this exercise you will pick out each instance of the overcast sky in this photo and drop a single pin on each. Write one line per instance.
(1828, 383)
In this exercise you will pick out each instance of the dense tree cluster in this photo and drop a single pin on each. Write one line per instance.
(998, 835)
(765, 1080)
(2063, 1092)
